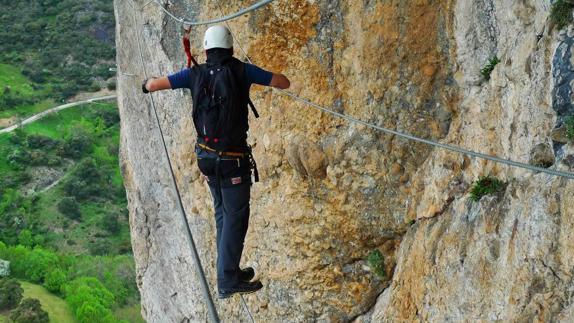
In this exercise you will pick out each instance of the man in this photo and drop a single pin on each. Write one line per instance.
(220, 92)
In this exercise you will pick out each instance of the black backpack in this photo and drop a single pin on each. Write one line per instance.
(220, 99)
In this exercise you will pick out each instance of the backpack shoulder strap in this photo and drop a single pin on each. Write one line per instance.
(252, 106)
(241, 71)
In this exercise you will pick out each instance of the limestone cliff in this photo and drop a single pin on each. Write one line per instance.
(331, 191)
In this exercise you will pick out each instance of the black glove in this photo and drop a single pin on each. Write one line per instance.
(144, 89)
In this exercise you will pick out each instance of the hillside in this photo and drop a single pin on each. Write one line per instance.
(57, 309)
(349, 223)
(52, 50)
(71, 156)
(63, 216)
(63, 208)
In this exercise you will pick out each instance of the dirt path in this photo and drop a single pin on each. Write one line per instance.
(52, 110)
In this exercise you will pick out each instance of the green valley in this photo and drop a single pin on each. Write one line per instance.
(63, 210)
(51, 51)
(56, 307)
(63, 217)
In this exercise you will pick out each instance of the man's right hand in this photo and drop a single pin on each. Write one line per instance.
(155, 84)
(144, 86)
(280, 81)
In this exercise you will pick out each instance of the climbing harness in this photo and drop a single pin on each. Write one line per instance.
(235, 154)
(224, 153)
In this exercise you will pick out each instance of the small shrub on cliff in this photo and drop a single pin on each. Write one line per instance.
(487, 70)
(570, 128)
(561, 13)
(485, 186)
(376, 262)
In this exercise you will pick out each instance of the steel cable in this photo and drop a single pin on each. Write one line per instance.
(414, 138)
(200, 272)
(247, 309)
(217, 20)
(207, 295)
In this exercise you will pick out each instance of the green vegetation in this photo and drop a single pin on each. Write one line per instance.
(376, 262)
(10, 294)
(68, 242)
(569, 123)
(487, 70)
(20, 96)
(485, 186)
(561, 13)
(52, 50)
(93, 287)
(83, 216)
(69, 207)
(58, 310)
(90, 300)
(63, 46)
(29, 311)
(86, 211)
(131, 314)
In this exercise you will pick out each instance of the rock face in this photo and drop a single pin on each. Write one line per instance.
(331, 192)
(4, 268)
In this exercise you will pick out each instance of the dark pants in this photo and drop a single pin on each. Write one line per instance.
(230, 185)
(232, 218)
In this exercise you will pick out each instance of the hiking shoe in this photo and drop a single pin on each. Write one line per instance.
(241, 288)
(246, 274)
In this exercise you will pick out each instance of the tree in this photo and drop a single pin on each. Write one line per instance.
(10, 293)
(39, 240)
(18, 257)
(55, 280)
(110, 223)
(88, 181)
(18, 136)
(100, 247)
(19, 158)
(78, 143)
(69, 207)
(94, 312)
(41, 142)
(9, 200)
(30, 311)
(38, 263)
(26, 239)
(87, 296)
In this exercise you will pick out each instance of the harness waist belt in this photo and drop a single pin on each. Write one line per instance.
(224, 153)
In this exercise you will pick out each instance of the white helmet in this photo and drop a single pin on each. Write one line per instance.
(217, 37)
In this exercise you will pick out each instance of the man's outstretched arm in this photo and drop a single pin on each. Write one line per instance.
(156, 84)
(280, 81)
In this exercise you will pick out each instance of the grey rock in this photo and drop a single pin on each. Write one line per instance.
(4, 268)
(404, 65)
(568, 161)
(560, 135)
(542, 155)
